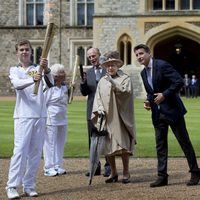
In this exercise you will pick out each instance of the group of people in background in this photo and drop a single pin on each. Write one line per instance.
(40, 121)
(191, 86)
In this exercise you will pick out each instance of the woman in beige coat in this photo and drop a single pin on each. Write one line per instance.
(114, 98)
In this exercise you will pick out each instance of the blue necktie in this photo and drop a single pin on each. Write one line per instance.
(149, 78)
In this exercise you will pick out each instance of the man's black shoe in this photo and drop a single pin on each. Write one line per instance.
(98, 170)
(107, 171)
(87, 174)
(194, 180)
(161, 181)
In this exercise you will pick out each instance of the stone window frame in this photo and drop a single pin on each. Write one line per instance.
(75, 44)
(23, 12)
(177, 7)
(74, 14)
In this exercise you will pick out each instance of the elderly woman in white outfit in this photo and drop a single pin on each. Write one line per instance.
(56, 130)
(114, 98)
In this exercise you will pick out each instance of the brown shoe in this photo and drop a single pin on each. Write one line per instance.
(161, 181)
(194, 180)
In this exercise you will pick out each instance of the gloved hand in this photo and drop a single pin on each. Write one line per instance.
(101, 112)
(113, 82)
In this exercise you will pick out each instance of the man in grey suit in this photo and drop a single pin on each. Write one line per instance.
(88, 88)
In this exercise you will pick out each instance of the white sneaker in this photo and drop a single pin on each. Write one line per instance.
(50, 172)
(12, 193)
(30, 192)
(60, 171)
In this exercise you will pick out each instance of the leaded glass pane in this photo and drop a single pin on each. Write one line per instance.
(29, 11)
(81, 54)
(170, 4)
(81, 14)
(196, 4)
(185, 4)
(39, 14)
(129, 50)
(90, 12)
(38, 55)
(157, 4)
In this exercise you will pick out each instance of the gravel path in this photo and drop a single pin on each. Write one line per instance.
(74, 185)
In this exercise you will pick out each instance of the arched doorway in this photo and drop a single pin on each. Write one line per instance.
(181, 52)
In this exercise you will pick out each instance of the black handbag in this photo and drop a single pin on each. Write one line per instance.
(104, 132)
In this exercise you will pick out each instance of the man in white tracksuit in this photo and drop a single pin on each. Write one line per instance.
(56, 132)
(29, 121)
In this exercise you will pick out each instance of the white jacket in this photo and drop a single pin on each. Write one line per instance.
(57, 99)
(28, 105)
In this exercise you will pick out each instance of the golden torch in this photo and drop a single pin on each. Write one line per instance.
(71, 88)
(50, 31)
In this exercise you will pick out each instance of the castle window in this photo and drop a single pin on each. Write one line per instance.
(79, 47)
(85, 10)
(196, 4)
(157, 4)
(185, 4)
(34, 12)
(170, 5)
(36, 54)
(163, 5)
(125, 47)
(82, 52)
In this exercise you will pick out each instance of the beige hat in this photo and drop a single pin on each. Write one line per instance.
(112, 57)
(110, 61)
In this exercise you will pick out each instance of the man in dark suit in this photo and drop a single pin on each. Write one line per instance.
(186, 85)
(162, 84)
(88, 88)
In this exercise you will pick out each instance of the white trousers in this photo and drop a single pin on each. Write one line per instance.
(55, 139)
(28, 143)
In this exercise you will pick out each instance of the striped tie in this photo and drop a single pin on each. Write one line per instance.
(98, 74)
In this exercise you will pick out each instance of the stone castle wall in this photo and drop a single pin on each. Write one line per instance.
(111, 20)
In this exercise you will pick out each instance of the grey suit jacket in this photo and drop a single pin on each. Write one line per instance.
(88, 88)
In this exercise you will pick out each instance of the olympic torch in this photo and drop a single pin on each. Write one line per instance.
(76, 64)
(50, 31)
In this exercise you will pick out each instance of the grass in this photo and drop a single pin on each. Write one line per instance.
(77, 140)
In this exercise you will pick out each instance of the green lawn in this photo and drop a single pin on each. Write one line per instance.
(77, 141)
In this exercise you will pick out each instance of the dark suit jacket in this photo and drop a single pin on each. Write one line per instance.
(168, 81)
(89, 88)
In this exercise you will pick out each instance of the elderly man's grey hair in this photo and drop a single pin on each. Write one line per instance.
(56, 69)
